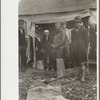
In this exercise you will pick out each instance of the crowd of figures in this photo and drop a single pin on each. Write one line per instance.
(67, 49)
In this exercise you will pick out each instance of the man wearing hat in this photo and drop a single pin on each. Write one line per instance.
(67, 45)
(22, 46)
(79, 45)
(59, 45)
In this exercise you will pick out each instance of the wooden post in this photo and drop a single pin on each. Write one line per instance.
(28, 33)
(33, 35)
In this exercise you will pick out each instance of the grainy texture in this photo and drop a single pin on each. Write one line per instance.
(29, 7)
(71, 87)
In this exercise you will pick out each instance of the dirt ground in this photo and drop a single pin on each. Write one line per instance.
(71, 87)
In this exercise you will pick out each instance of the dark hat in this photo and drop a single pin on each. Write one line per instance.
(77, 19)
(21, 21)
(64, 22)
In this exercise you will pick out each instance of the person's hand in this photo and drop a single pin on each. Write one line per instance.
(52, 45)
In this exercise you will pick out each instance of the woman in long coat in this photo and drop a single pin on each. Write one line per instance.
(46, 42)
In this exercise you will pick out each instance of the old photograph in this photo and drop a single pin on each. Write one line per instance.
(57, 49)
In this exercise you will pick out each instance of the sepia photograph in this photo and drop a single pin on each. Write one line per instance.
(57, 49)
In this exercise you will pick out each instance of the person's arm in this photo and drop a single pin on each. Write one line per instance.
(61, 40)
(24, 40)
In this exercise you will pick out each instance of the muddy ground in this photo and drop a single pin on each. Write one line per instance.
(71, 87)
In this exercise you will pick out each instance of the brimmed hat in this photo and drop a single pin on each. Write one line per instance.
(46, 31)
(77, 19)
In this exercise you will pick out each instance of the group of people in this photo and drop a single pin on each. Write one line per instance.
(67, 46)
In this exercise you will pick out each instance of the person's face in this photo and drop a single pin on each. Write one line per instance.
(20, 25)
(57, 26)
(77, 24)
(64, 26)
(47, 33)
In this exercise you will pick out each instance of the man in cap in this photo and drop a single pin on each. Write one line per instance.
(59, 45)
(79, 45)
(68, 41)
(22, 46)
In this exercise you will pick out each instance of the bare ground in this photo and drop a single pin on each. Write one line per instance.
(71, 87)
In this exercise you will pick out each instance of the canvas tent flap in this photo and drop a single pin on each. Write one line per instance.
(52, 18)
(93, 17)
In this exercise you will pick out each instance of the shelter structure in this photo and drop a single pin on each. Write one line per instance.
(50, 11)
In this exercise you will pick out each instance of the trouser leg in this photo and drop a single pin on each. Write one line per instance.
(55, 64)
(20, 60)
(66, 62)
(23, 58)
(60, 67)
(83, 72)
(45, 61)
(53, 61)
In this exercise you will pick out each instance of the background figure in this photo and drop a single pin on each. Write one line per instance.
(92, 33)
(68, 41)
(39, 53)
(46, 41)
(58, 46)
(22, 46)
(79, 45)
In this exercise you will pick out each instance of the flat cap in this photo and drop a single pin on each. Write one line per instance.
(77, 19)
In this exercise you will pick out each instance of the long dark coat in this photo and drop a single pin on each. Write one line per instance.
(22, 49)
(47, 50)
(79, 45)
(22, 41)
(46, 44)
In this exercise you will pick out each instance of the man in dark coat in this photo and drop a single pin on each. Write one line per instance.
(59, 45)
(79, 45)
(22, 46)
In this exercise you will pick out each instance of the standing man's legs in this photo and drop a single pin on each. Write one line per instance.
(83, 72)
(66, 60)
(23, 58)
(45, 61)
(20, 62)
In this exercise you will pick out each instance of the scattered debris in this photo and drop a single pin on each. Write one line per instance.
(68, 87)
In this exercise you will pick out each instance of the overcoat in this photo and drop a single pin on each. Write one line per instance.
(46, 44)
(60, 43)
(22, 41)
(22, 49)
(79, 44)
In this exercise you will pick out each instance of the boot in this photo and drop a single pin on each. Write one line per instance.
(83, 68)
